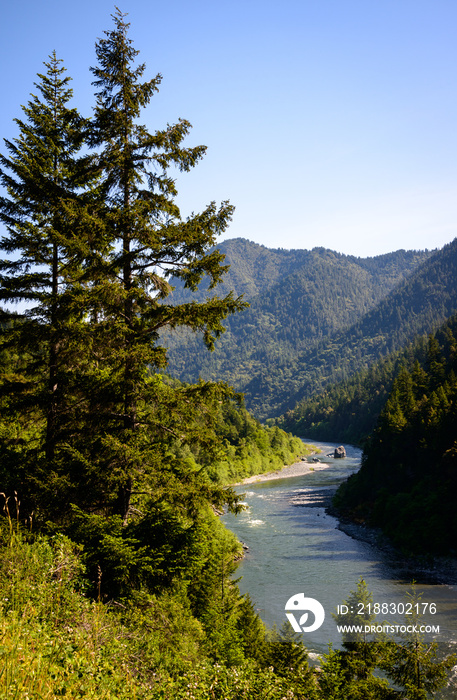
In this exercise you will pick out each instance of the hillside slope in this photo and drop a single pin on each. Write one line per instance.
(419, 305)
(299, 299)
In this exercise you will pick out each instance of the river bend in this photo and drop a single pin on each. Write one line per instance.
(295, 546)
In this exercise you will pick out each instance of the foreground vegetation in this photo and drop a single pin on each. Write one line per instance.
(56, 642)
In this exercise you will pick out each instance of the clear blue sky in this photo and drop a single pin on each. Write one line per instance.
(328, 122)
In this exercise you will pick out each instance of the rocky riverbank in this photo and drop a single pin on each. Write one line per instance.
(423, 569)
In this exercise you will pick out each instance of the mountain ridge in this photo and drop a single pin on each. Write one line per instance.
(310, 309)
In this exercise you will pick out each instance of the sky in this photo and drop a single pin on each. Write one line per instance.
(327, 122)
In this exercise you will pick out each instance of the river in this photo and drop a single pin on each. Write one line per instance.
(296, 547)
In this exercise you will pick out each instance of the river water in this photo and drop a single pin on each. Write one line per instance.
(296, 547)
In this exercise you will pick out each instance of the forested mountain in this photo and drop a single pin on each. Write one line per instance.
(299, 300)
(408, 478)
(417, 306)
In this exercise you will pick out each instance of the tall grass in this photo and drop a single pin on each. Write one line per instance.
(56, 643)
(53, 641)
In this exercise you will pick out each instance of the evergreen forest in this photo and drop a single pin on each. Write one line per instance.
(119, 452)
(347, 411)
(407, 482)
(318, 320)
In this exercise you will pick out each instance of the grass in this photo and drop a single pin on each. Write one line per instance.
(53, 641)
(56, 643)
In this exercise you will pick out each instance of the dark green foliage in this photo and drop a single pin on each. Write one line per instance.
(340, 680)
(252, 631)
(407, 480)
(360, 597)
(42, 209)
(285, 651)
(92, 242)
(355, 665)
(149, 242)
(413, 664)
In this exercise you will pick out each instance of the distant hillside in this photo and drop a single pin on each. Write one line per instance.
(419, 305)
(299, 300)
(347, 411)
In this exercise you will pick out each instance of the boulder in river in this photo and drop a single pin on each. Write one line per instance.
(340, 452)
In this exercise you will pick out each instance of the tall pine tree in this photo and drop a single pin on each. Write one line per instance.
(414, 664)
(41, 209)
(151, 242)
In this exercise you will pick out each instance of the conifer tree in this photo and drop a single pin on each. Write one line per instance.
(285, 651)
(413, 664)
(45, 247)
(151, 241)
(361, 653)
